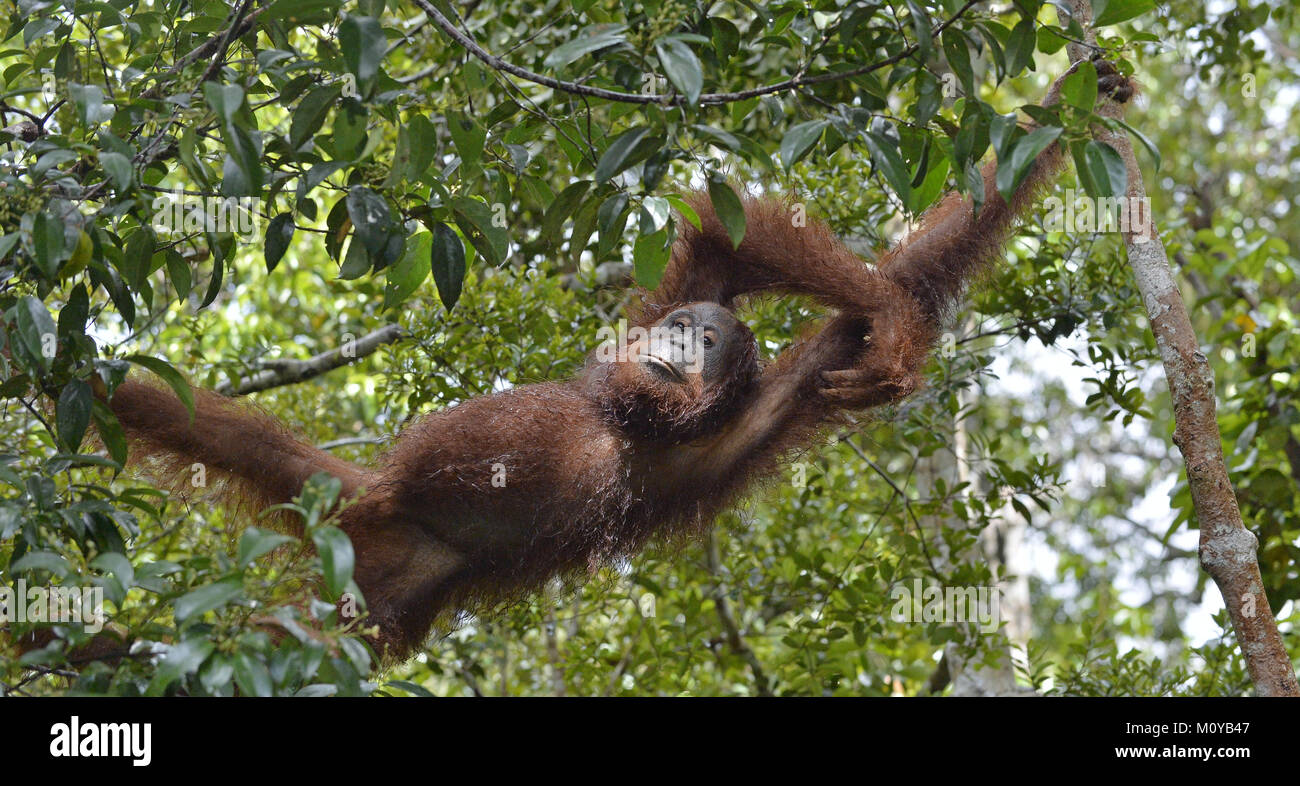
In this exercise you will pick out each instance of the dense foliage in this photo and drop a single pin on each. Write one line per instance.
(196, 189)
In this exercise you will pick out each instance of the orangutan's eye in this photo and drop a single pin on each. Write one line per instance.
(679, 325)
(708, 342)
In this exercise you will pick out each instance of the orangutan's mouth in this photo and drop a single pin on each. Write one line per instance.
(663, 365)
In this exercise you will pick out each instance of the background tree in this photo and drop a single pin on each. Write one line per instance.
(482, 179)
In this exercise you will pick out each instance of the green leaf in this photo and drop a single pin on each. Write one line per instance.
(922, 28)
(726, 37)
(447, 257)
(363, 43)
(223, 99)
(305, 11)
(118, 565)
(371, 217)
(256, 542)
(7, 243)
(410, 687)
(468, 136)
(182, 658)
(656, 164)
(110, 431)
(208, 598)
(654, 214)
(41, 560)
(1026, 150)
(650, 257)
(568, 201)
(73, 315)
(1106, 168)
(178, 271)
(1020, 46)
(357, 262)
(214, 283)
(89, 102)
(729, 209)
(611, 220)
(589, 39)
(626, 150)
(930, 188)
(1122, 10)
(410, 271)
(310, 114)
(929, 96)
(723, 138)
(37, 331)
(39, 27)
(251, 675)
(138, 256)
(608, 215)
(479, 223)
(1002, 133)
(799, 139)
(215, 674)
(49, 245)
(169, 375)
(685, 211)
(350, 129)
(422, 137)
(279, 232)
(1080, 88)
(519, 157)
(73, 413)
(118, 168)
(1147, 143)
(887, 159)
(1081, 168)
(400, 169)
(957, 53)
(319, 494)
(1049, 41)
(682, 68)
(336, 556)
(242, 169)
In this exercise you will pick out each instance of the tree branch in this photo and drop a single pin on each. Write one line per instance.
(224, 42)
(735, 640)
(288, 372)
(1227, 548)
(667, 99)
(206, 48)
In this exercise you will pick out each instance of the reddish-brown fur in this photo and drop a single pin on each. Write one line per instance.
(596, 466)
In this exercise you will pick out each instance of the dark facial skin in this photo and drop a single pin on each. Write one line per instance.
(692, 345)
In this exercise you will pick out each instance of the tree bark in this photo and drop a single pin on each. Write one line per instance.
(288, 372)
(1227, 548)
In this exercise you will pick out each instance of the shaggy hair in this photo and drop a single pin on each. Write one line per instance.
(486, 500)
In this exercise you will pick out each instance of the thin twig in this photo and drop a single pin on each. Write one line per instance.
(668, 99)
(288, 372)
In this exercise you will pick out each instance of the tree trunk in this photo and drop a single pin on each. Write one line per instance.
(1227, 548)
